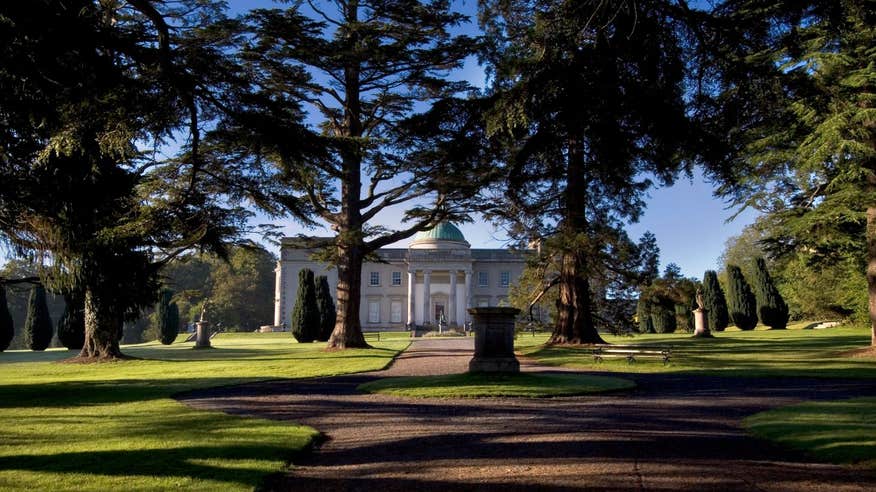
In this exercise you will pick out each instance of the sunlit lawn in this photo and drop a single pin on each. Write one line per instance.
(792, 352)
(114, 426)
(837, 431)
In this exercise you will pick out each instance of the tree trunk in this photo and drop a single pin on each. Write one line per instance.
(101, 330)
(348, 332)
(574, 306)
(871, 270)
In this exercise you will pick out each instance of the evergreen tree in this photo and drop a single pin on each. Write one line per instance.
(589, 101)
(684, 318)
(168, 322)
(38, 325)
(305, 314)
(715, 302)
(771, 307)
(663, 316)
(643, 313)
(71, 325)
(741, 303)
(377, 67)
(7, 329)
(326, 306)
(796, 96)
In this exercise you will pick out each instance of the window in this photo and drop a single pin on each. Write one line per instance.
(483, 303)
(504, 279)
(373, 311)
(483, 279)
(395, 312)
(396, 278)
(375, 278)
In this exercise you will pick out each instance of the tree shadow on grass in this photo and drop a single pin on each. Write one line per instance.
(182, 462)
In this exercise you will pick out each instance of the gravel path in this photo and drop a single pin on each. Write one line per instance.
(671, 433)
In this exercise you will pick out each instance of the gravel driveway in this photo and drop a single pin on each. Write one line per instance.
(673, 432)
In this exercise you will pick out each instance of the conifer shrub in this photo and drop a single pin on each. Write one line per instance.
(168, 322)
(7, 329)
(771, 307)
(741, 303)
(71, 326)
(663, 316)
(326, 306)
(38, 328)
(305, 315)
(643, 313)
(715, 302)
(684, 318)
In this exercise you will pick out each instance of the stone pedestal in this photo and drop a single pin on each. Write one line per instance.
(202, 339)
(701, 323)
(494, 340)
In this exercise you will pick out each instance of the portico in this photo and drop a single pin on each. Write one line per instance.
(436, 291)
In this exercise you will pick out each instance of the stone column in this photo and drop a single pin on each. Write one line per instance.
(467, 295)
(412, 277)
(427, 295)
(278, 295)
(494, 340)
(202, 338)
(451, 303)
(701, 323)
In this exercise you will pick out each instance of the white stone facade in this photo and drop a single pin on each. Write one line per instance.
(415, 285)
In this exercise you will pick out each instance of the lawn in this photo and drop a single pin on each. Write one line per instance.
(114, 426)
(836, 431)
(472, 385)
(792, 352)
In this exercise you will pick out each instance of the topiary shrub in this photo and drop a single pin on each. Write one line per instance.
(7, 329)
(740, 300)
(326, 306)
(643, 313)
(305, 315)
(663, 316)
(168, 318)
(771, 307)
(38, 325)
(71, 326)
(715, 302)
(684, 318)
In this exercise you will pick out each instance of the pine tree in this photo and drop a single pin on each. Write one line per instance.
(771, 307)
(71, 326)
(38, 329)
(168, 324)
(740, 300)
(326, 306)
(643, 313)
(7, 329)
(305, 315)
(715, 302)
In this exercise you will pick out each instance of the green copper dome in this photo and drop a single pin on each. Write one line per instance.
(445, 231)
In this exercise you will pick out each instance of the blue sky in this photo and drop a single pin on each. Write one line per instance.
(690, 224)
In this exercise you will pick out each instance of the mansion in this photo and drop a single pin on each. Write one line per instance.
(439, 274)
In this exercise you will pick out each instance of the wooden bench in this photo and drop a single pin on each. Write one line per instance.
(631, 352)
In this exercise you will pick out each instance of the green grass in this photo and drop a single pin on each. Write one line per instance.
(792, 352)
(836, 431)
(113, 426)
(472, 385)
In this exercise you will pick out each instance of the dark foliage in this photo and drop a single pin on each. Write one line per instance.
(326, 306)
(38, 328)
(741, 304)
(771, 307)
(643, 313)
(305, 315)
(168, 317)
(663, 316)
(71, 325)
(7, 329)
(715, 302)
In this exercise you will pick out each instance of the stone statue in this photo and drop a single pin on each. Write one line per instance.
(700, 303)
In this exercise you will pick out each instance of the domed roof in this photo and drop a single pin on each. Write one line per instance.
(440, 235)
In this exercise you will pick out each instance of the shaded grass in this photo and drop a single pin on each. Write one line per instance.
(836, 431)
(472, 385)
(795, 352)
(114, 426)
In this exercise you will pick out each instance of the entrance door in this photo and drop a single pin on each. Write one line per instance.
(439, 310)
